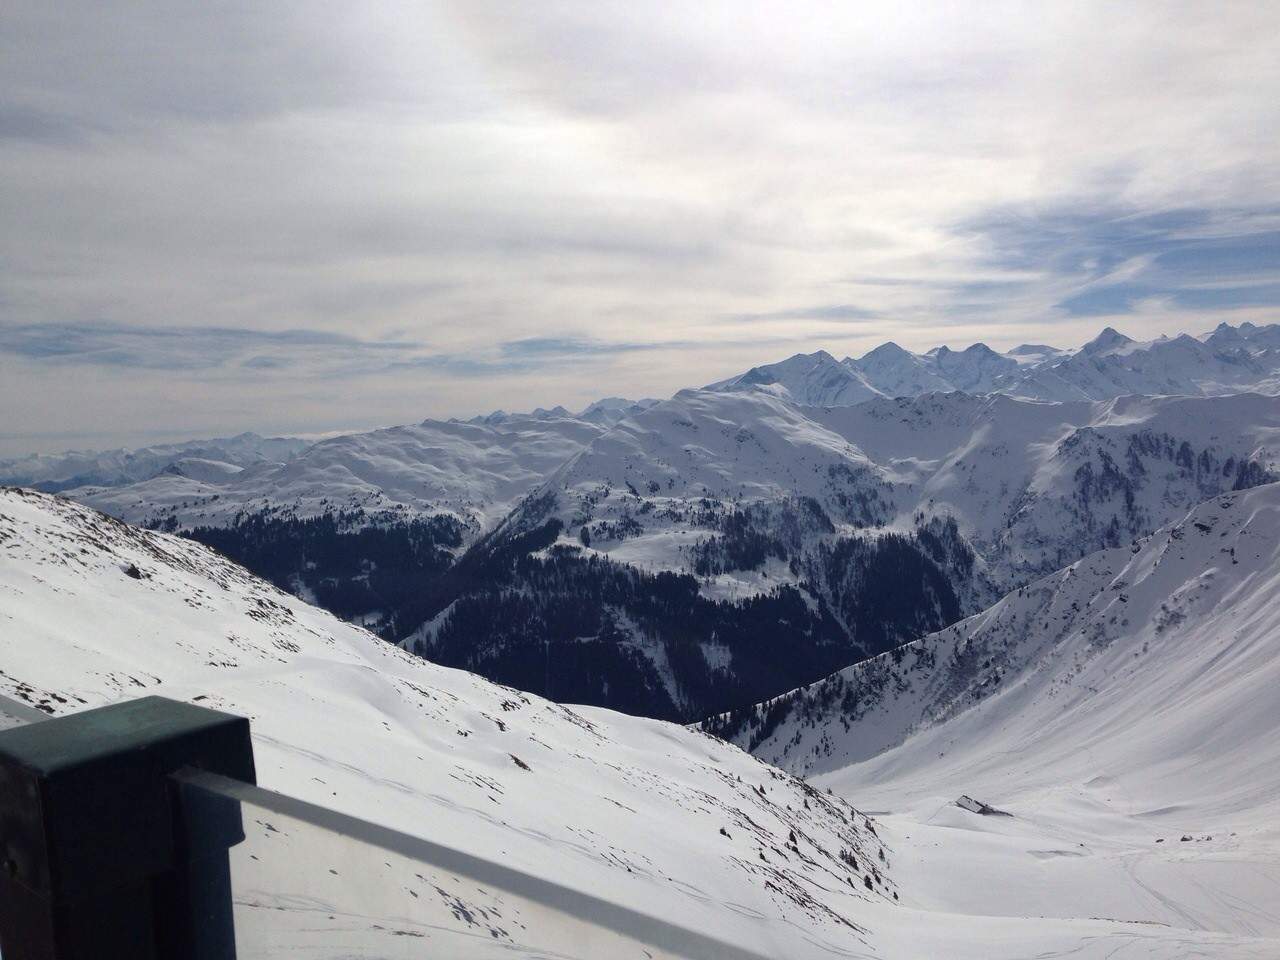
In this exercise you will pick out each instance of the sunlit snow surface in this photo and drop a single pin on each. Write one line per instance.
(1114, 709)
(631, 810)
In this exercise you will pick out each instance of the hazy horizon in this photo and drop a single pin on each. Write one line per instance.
(58, 444)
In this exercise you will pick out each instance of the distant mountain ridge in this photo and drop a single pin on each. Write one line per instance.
(1227, 360)
(475, 470)
(54, 473)
(360, 522)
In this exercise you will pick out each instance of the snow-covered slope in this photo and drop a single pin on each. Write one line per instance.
(1105, 754)
(1178, 634)
(1227, 360)
(1125, 714)
(650, 815)
(113, 468)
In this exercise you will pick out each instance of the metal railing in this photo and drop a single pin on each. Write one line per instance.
(14, 713)
(137, 831)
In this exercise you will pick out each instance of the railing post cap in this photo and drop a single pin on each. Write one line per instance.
(85, 804)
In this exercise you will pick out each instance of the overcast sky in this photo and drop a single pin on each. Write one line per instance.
(307, 217)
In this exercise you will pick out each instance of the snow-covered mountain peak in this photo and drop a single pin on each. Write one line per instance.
(1109, 339)
(896, 372)
(974, 349)
(797, 365)
(809, 379)
(1225, 335)
(606, 404)
(887, 352)
(1033, 350)
(976, 369)
(612, 409)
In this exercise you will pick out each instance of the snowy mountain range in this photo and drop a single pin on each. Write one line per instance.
(730, 541)
(1227, 360)
(474, 471)
(652, 816)
(477, 469)
(743, 539)
(1033, 633)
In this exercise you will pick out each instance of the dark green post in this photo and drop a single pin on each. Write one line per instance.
(99, 858)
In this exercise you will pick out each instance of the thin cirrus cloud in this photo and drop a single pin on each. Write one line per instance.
(182, 349)
(1108, 263)
(305, 352)
(529, 355)
(533, 348)
(433, 208)
(836, 312)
